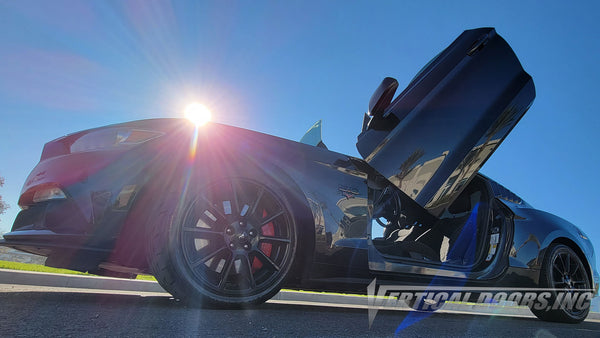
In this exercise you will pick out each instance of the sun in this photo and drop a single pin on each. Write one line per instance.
(197, 113)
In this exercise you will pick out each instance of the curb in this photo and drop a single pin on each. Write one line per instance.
(77, 281)
(315, 298)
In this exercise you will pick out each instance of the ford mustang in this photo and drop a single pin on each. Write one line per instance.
(226, 216)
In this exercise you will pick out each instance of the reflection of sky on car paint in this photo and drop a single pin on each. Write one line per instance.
(278, 67)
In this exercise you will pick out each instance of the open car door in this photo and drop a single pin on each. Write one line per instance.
(434, 137)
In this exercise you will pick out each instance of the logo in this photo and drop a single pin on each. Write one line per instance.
(348, 192)
(433, 297)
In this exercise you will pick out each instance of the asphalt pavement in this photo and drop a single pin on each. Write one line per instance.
(285, 296)
(52, 311)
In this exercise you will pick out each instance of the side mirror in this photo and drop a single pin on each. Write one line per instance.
(382, 97)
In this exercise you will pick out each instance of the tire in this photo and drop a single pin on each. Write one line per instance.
(230, 243)
(563, 269)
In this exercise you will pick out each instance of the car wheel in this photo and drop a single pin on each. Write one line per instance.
(233, 243)
(563, 271)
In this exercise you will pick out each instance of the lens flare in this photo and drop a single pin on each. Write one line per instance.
(197, 113)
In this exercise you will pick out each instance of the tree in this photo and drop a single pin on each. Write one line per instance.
(3, 205)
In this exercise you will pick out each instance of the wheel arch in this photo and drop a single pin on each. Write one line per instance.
(185, 173)
(247, 162)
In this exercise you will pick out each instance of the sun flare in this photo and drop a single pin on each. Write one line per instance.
(197, 113)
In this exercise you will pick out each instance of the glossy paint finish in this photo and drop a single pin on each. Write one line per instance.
(330, 191)
(101, 187)
(113, 193)
(534, 231)
(439, 131)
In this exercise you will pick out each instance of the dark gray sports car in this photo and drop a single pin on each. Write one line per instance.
(227, 216)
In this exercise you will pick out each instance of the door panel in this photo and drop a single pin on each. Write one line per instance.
(441, 129)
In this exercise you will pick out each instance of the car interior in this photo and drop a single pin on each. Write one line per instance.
(455, 238)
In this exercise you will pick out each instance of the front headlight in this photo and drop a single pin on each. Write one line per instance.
(107, 139)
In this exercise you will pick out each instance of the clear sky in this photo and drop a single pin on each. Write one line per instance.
(277, 67)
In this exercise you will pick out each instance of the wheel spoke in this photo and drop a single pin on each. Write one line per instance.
(562, 262)
(273, 239)
(206, 258)
(272, 217)
(555, 266)
(259, 195)
(249, 271)
(225, 273)
(568, 267)
(261, 255)
(574, 271)
(212, 207)
(201, 231)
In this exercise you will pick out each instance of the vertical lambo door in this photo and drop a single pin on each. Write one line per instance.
(429, 143)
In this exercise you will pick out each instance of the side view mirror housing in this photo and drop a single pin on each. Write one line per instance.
(382, 97)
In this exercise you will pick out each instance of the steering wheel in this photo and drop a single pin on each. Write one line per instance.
(380, 222)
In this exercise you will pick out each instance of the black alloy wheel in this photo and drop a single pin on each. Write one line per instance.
(233, 245)
(563, 272)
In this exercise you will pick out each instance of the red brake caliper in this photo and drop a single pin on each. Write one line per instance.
(267, 230)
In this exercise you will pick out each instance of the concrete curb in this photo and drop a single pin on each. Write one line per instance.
(77, 281)
(314, 298)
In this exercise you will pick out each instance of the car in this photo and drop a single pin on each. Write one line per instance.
(224, 216)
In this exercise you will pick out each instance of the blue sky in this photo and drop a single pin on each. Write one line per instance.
(277, 67)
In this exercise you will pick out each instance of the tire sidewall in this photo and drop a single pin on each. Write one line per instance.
(546, 281)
